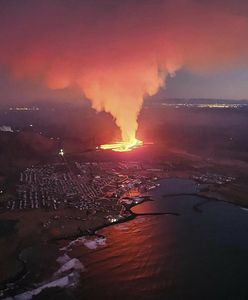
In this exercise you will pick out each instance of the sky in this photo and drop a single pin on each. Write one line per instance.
(116, 52)
(228, 83)
(231, 84)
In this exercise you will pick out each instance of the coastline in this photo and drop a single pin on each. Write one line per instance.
(93, 230)
(9, 283)
(132, 215)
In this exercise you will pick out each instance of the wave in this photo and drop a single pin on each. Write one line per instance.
(91, 243)
(122, 227)
(67, 276)
(244, 208)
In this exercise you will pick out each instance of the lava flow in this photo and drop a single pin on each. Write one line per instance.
(123, 146)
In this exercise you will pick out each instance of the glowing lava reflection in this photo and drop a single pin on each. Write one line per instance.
(122, 146)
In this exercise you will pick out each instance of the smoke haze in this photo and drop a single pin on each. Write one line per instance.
(118, 52)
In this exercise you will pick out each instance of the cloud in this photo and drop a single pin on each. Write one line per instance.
(117, 52)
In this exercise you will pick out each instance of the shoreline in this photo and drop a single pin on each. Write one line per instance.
(207, 198)
(132, 216)
(93, 231)
(84, 233)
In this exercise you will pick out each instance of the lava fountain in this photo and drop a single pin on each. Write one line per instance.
(122, 146)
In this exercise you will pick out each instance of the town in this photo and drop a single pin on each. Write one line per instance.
(88, 186)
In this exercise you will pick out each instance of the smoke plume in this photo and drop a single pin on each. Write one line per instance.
(117, 52)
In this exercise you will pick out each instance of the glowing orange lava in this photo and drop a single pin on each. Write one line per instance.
(122, 146)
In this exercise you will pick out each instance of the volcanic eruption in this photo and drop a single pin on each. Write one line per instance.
(122, 146)
(118, 52)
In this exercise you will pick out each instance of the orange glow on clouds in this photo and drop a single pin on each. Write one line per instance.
(118, 52)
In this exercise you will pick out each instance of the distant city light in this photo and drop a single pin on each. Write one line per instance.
(61, 152)
(112, 220)
(205, 105)
(34, 108)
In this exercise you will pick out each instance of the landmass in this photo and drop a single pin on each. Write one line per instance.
(68, 198)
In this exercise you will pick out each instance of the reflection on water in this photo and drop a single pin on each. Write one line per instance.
(191, 256)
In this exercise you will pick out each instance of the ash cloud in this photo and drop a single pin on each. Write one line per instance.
(117, 52)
